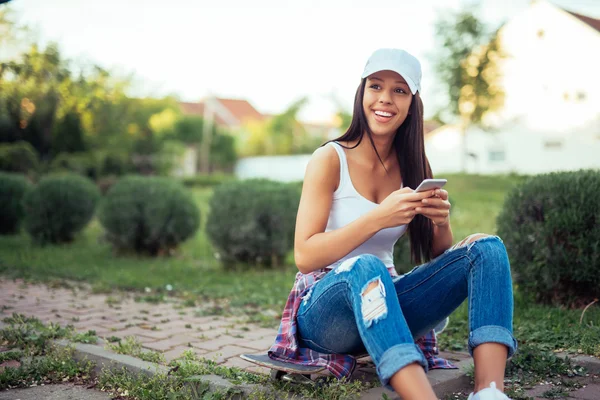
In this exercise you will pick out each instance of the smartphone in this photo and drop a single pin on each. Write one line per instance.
(430, 184)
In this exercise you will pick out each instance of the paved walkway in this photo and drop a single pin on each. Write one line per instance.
(168, 328)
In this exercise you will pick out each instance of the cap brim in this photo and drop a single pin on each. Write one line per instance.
(411, 84)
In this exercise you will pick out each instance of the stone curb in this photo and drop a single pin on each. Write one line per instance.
(106, 359)
(590, 362)
(443, 381)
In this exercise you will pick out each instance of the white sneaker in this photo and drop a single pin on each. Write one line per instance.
(490, 393)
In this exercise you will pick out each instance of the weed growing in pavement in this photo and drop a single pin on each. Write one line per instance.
(131, 346)
(88, 337)
(40, 362)
(55, 366)
(30, 334)
(11, 355)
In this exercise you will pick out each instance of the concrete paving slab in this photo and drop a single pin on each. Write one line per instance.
(55, 392)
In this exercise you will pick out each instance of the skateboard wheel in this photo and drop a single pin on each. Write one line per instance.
(321, 382)
(276, 374)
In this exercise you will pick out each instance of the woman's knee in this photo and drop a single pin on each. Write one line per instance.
(488, 252)
(471, 239)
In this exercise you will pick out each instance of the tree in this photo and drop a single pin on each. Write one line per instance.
(11, 33)
(68, 134)
(467, 65)
(282, 134)
(30, 92)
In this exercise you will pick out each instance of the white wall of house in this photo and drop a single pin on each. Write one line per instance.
(186, 164)
(550, 72)
(277, 168)
(514, 148)
(551, 116)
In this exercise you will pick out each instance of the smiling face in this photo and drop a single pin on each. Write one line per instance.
(386, 102)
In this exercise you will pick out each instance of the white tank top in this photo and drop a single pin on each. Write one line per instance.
(348, 205)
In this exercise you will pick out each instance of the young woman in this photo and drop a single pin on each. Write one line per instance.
(357, 200)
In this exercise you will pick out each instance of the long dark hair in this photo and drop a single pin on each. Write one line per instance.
(414, 166)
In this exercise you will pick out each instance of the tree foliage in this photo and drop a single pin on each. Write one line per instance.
(282, 134)
(466, 62)
(65, 108)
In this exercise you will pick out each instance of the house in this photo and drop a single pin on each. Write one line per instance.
(230, 114)
(550, 120)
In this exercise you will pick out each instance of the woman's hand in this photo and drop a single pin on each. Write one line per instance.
(399, 207)
(436, 208)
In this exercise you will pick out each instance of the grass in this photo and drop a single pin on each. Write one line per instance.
(548, 328)
(476, 201)
(195, 275)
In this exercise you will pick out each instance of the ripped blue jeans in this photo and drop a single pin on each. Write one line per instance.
(358, 306)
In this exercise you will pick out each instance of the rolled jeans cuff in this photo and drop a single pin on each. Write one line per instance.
(492, 334)
(397, 357)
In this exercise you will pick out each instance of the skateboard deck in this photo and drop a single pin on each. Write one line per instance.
(265, 361)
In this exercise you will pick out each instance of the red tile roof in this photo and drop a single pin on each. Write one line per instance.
(594, 23)
(198, 109)
(241, 110)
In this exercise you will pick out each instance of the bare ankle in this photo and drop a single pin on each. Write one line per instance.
(486, 384)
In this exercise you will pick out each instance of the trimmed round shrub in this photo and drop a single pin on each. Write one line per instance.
(59, 207)
(149, 215)
(18, 157)
(13, 188)
(203, 181)
(550, 225)
(80, 163)
(253, 221)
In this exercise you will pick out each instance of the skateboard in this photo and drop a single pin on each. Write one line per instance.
(296, 373)
(282, 370)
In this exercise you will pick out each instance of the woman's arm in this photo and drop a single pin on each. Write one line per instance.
(313, 247)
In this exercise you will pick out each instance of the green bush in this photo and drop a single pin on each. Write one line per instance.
(149, 215)
(550, 225)
(80, 163)
(12, 190)
(59, 207)
(253, 221)
(18, 157)
(211, 180)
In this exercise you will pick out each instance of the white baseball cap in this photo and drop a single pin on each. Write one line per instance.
(396, 60)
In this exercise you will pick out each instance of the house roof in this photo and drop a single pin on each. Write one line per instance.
(198, 109)
(240, 110)
(594, 23)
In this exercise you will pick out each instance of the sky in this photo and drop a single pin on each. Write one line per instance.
(269, 52)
